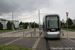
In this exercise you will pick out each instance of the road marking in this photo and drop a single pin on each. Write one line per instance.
(13, 41)
(36, 43)
(70, 40)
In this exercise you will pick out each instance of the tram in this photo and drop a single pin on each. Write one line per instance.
(51, 26)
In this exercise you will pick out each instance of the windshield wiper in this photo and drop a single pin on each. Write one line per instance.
(49, 24)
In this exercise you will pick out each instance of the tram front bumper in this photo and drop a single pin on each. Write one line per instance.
(52, 34)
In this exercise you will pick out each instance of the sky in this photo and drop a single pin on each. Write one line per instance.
(27, 10)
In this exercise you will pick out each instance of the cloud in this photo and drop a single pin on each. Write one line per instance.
(28, 10)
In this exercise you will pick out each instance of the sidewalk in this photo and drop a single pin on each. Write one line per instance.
(12, 31)
(19, 33)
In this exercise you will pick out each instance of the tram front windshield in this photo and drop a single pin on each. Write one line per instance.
(52, 22)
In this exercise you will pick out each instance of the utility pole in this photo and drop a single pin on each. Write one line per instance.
(39, 18)
(12, 22)
(48, 7)
(67, 23)
(34, 27)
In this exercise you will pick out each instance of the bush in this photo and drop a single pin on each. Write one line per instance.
(64, 26)
(12, 25)
(69, 26)
(1, 26)
(72, 26)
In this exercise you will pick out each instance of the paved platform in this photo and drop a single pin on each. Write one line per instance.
(42, 44)
(27, 42)
(16, 34)
(70, 34)
(29, 39)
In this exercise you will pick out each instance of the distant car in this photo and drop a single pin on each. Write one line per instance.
(51, 26)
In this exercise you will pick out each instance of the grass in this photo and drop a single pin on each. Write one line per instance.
(1, 31)
(68, 29)
(35, 28)
(13, 48)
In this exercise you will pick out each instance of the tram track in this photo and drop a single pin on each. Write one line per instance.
(52, 44)
(66, 44)
(47, 44)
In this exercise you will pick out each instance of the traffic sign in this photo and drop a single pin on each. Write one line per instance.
(67, 23)
(67, 14)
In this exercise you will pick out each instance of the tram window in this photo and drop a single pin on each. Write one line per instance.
(43, 26)
(52, 22)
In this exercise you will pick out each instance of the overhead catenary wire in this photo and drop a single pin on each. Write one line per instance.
(17, 4)
(15, 9)
(4, 8)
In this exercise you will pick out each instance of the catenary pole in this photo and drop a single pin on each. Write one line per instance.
(67, 23)
(39, 18)
(12, 22)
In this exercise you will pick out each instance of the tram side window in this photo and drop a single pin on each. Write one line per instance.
(43, 26)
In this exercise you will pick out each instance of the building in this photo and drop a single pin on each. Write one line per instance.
(4, 22)
(73, 21)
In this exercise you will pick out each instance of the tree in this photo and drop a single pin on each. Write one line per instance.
(21, 23)
(9, 25)
(69, 21)
(62, 23)
(12, 24)
(1, 26)
(36, 25)
(26, 24)
(32, 25)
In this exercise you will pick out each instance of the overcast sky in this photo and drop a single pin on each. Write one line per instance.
(27, 10)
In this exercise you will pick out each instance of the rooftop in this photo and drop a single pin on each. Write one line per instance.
(2, 19)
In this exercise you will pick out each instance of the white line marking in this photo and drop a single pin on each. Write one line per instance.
(70, 40)
(36, 43)
(13, 41)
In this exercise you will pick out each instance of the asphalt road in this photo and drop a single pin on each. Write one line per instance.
(5, 40)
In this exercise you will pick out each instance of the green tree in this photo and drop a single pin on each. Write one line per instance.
(12, 24)
(62, 24)
(32, 25)
(36, 25)
(69, 21)
(1, 26)
(21, 23)
(9, 25)
(26, 24)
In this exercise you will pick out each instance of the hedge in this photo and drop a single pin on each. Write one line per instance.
(69, 26)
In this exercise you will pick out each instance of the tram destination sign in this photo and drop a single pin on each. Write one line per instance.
(51, 18)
